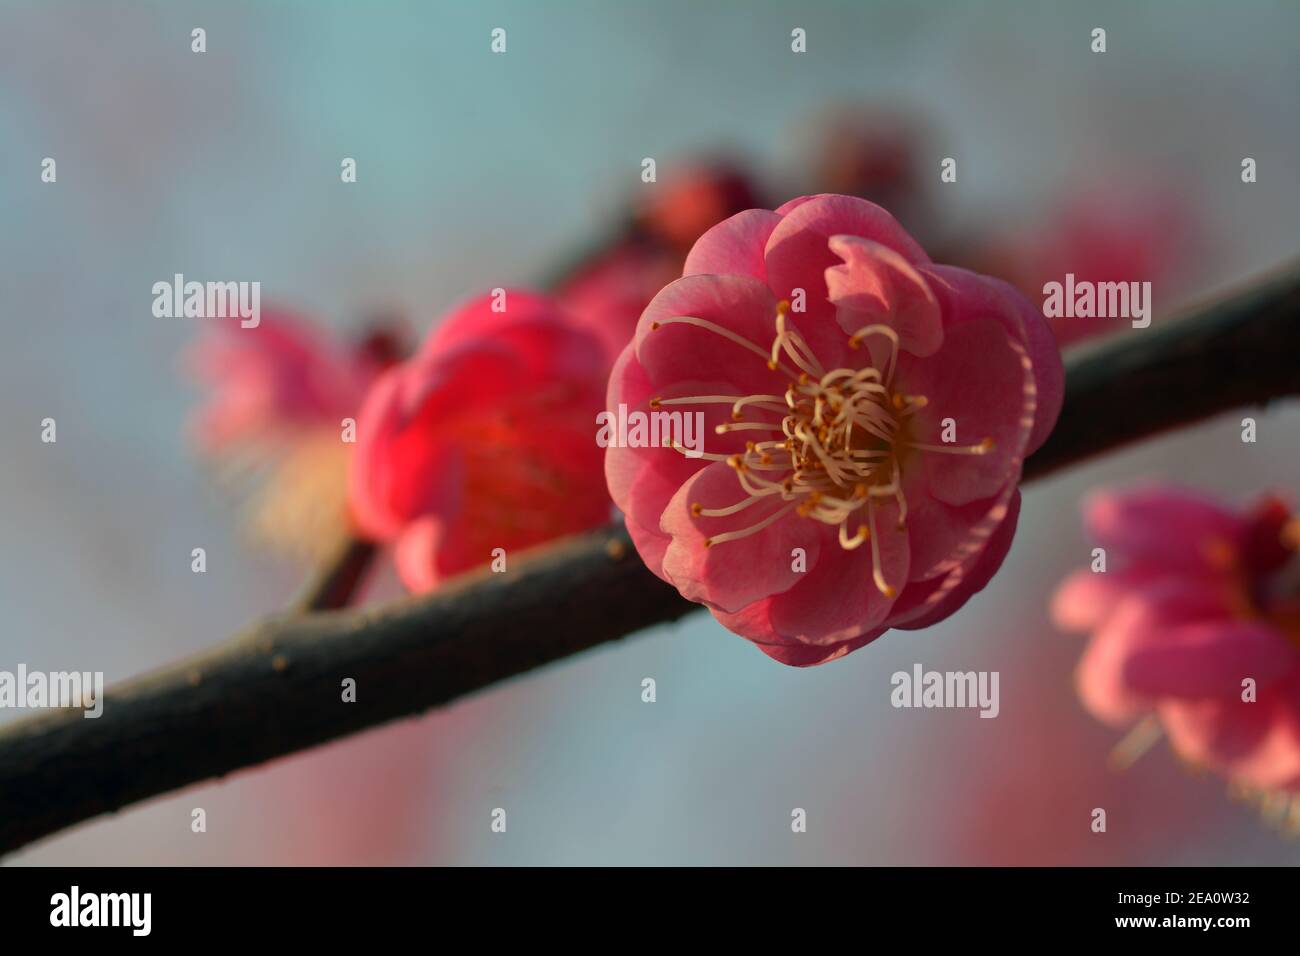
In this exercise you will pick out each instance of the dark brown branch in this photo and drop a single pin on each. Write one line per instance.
(1236, 351)
(339, 578)
(279, 688)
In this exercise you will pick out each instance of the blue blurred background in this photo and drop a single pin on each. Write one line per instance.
(478, 170)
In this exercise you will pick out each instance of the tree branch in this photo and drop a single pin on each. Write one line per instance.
(334, 586)
(1237, 350)
(279, 687)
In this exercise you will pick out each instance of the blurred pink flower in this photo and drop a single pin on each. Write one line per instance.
(281, 376)
(484, 439)
(278, 395)
(607, 293)
(827, 353)
(1100, 237)
(1197, 597)
(872, 151)
(695, 197)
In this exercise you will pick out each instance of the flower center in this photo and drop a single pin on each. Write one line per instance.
(841, 443)
(1265, 568)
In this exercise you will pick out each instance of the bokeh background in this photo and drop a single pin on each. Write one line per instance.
(478, 170)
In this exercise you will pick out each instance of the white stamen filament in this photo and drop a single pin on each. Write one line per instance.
(752, 529)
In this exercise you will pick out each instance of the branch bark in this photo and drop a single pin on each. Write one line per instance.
(278, 688)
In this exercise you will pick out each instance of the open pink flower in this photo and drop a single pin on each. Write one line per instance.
(1196, 598)
(865, 450)
(482, 440)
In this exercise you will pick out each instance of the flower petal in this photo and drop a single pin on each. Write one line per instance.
(978, 379)
(1208, 659)
(967, 296)
(839, 602)
(741, 305)
(1257, 743)
(1160, 524)
(731, 574)
(876, 285)
(951, 591)
(734, 246)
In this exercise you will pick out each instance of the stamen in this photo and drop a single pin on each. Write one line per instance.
(795, 346)
(752, 529)
(855, 341)
(847, 543)
(727, 334)
(1138, 741)
(876, 575)
(700, 511)
(983, 448)
(702, 456)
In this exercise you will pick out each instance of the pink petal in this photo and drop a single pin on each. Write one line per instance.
(980, 380)
(607, 296)
(1164, 525)
(1209, 659)
(415, 554)
(945, 536)
(967, 296)
(810, 655)
(876, 285)
(1137, 623)
(390, 478)
(1086, 598)
(1099, 677)
(474, 320)
(732, 574)
(839, 602)
(1049, 371)
(754, 622)
(740, 304)
(953, 590)
(798, 251)
(643, 480)
(1257, 743)
(734, 246)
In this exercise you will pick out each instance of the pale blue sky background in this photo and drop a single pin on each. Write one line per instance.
(477, 170)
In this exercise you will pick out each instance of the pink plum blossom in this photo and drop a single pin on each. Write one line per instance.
(691, 199)
(279, 377)
(273, 419)
(869, 412)
(483, 439)
(1196, 598)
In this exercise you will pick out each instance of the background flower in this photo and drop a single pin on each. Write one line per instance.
(273, 419)
(1197, 601)
(483, 439)
(1106, 234)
